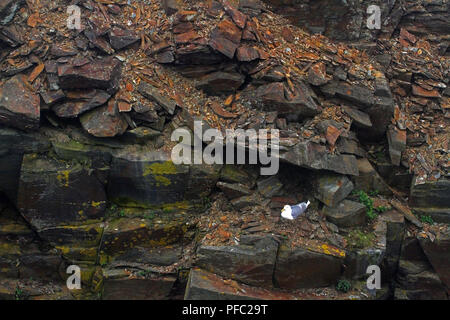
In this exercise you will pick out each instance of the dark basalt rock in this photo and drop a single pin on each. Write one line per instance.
(233, 190)
(315, 156)
(331, 189)
(146, 180)
(138, 289)
(431, 198)
(11, 36)
(46, 196)
(248, 264)
(300, 268)
(346, 214)
(438, 253)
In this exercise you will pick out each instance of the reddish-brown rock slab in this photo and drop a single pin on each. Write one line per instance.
(186, 37)
(121, 38)
(225, 38)
(238, 17)
(19, 105)
(317, 74)
(421, 92)
(101, 74)
(81, 101)
(218, 83)
(221, 112)
(203, 285)
(246, 54)
(300, 102)
(104, 121)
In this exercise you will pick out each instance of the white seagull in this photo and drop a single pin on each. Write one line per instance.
(293, 212)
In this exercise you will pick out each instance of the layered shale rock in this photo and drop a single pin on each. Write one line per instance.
(46, 196)
(19, 104)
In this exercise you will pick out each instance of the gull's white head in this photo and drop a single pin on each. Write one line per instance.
(287, 212)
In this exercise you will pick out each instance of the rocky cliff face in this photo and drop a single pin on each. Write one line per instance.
(346, 20)
(87, 177)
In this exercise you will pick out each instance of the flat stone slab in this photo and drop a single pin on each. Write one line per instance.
(203, 285)
(19, 104)
(299, 268)
(138, 289)
(432, 198)
(346, 214)
(250, 264)
(438, 253)
(315, 156)
(55, 193)
(332, 189)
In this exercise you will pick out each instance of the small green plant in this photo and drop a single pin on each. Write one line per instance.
(373, 193)
(122, 213)
(149, 216)
(168, 210)
(368, 202)
(18, 294)
(206, 202)
(360, 239)
(144, 273)
(382, 209)
(426, 219)
(343, 286)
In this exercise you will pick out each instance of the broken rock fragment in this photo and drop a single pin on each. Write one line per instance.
(332, 189)
(246, 54)
(152, 93)
(238, 17)
(104, 121)
(121, 38)
(346, 214)
(218, 83)
(225, 38)
(80, 102)
(276, 97)
(397, 144)
(360, 119)
(103, 74)
(315, 156)
(170, 6)
(19, 105)
(317, 74)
